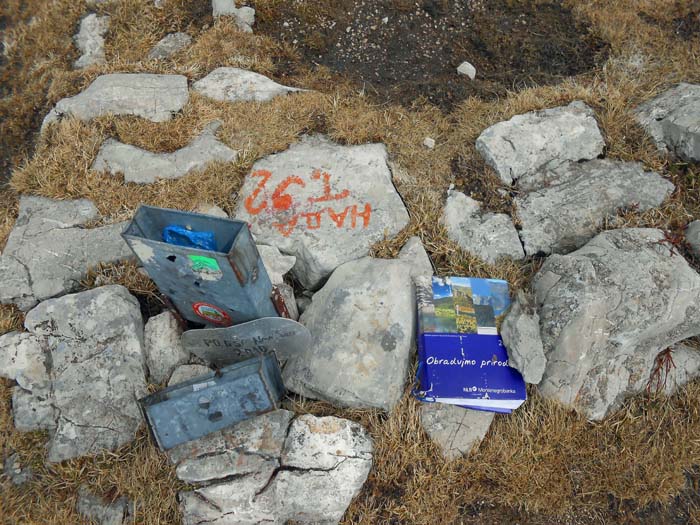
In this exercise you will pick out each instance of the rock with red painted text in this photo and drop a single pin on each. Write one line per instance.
(323, 203)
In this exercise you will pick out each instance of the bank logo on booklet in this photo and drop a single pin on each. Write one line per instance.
(461, 357)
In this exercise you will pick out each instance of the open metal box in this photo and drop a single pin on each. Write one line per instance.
(214, 401)
(216, 288)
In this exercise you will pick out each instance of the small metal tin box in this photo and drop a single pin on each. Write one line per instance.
(212, 402)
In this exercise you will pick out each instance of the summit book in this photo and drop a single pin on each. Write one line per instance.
(461, 357)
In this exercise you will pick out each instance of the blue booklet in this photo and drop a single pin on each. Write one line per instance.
(461, 357)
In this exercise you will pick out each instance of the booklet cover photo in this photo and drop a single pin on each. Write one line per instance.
(461, 357)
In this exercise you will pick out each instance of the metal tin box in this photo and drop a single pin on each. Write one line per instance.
(217, 288)
(212, 402)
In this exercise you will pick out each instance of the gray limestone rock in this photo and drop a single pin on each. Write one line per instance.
(561, 209)
(606, 311)
(673, 121)
(33, 410)
(413, 253)
(245, 16)
(169, 45)
(99, 511)
(309, 202)
(231, 84)
(252, 446)
(186, 372)
(276, 264)
(93, 347)
(90, 40)
(153, 97)
(276, 470)
(287, 293)
(467, 69)
(538, 139)
(211, 209)
(489, 236)
(685, 368)
(14, 470)
(145, 167)
(50, 250)
(520, 331)
(164, 351)
(455, 429)
(692, 237)
(362, 323)
(22, 360)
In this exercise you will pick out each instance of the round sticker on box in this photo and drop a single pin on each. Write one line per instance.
(211, 313)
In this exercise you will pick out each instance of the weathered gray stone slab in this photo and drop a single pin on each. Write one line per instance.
(48, 252)
(563, 208)
(100, 511)
(324, 203)
(489, 236)
(211, 209)
(413, 253)
(163, 348)
(169, 45)
(245, 16)
(93, 343)
(186, 372)
(307, 471)
(90, 40)
(362, 322)
(255, 445)
(455, 429)
(606, 311)
(153, 97)
(692, 236)
(231, 84)
(33, 410)
(22, 360)
(685, 368)
(673, 121)
(538, 139)
(15, 472)
(520, 331)
(276, 264)
(144, 167)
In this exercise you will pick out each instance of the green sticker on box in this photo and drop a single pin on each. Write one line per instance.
(201, 263)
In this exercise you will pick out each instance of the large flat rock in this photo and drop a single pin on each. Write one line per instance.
(362, 323)
(489, 236)
(50, 250)
(93, 365)
(232, 84)
(323, 203)
(153, 97)
(673, 121)
(142, 166)
(561, 209)
(274, 469)
(606, 312)
(538, 139)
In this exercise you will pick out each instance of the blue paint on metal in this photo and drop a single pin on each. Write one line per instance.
(215, 288)
(214, 401)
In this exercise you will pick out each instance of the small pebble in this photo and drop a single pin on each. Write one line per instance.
(465, 68)
(429, 143)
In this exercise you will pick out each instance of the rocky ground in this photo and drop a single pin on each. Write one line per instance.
(369, 145)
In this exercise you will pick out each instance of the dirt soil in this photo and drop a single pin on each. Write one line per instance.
(403, 50)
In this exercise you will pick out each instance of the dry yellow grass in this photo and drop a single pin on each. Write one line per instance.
(543, 464)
